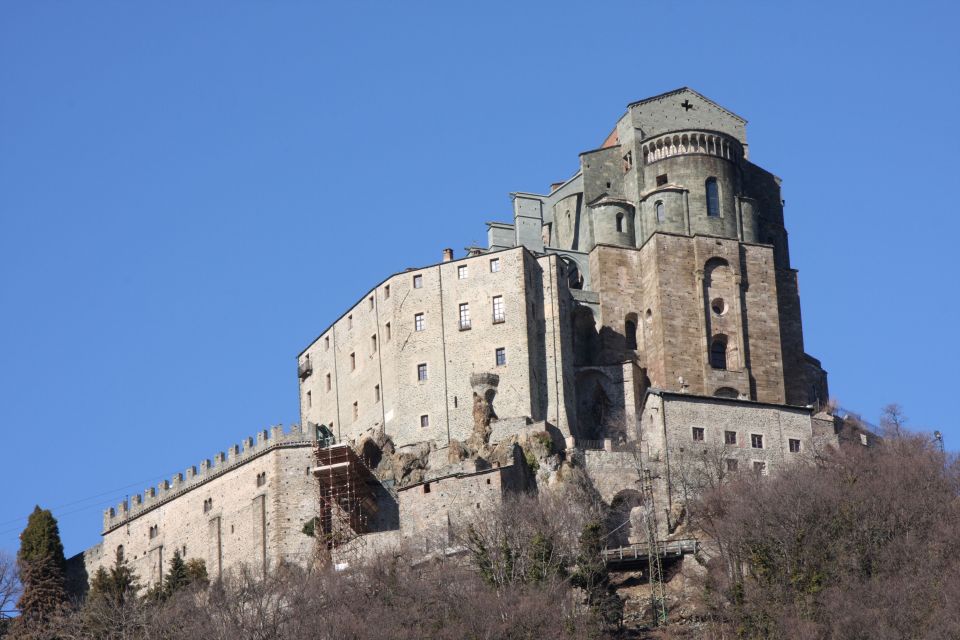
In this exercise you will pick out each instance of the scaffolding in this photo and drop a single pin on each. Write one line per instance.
(346, 500)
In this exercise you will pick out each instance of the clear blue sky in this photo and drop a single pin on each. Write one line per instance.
(191, 191)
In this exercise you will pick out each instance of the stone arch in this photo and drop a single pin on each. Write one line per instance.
(572, 269)
(726, 392)
(626, 519)
(586, 339)
(718, 351)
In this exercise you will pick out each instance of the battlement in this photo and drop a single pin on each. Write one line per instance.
(180, 483)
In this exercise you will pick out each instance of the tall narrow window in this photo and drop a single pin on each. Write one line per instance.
(326, 343)
(424, 421)
(498, 313)
(619, 223)
(328, 382)
(376, 393)
(462, 272)
(356, 410)
(309, 399)
(353, 361)
(661, 214)
(387, 329)
(501, 356)
(718, 352)
(630, 331)
(464, 316)
(373, 343)
(386, 292)
(418, 323)
(422, 371)
(713, 198)
(494, 265)
(350, 321)
(417, 282)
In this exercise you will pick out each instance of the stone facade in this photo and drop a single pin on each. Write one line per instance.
(644, 312)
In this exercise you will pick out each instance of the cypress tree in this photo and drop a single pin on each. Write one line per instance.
(42, 567)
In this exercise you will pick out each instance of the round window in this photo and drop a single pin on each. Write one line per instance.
(719, 306)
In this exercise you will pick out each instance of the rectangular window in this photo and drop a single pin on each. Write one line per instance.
(370, 301)
(376, 393)
(698, 434)
(628, 161)
(729, 437)
(422, 371)
(418, 322)
(356, 410)
(756, 441)
(501, 354)
(794, 445)
(326, 343)
(498, 314)
(350, 321)
(387, 327)
(309, 399)
(462, 272)
(353, 362)
(386, 292)
(328, 382)
(373, 343)
(494, 265)
(732, 465)
(661, 180)
(424, 421)
(464, 316)
(760, 468)
(418, 282)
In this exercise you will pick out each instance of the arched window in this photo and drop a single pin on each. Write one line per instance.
(718, 352)
(726, 392)
(120, 553)
(619, 223)
(713, 198)
(661, 214)
(630, 330)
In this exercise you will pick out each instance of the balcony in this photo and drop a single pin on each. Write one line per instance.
(304, 369)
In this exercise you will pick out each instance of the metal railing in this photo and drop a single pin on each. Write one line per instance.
(640, 551)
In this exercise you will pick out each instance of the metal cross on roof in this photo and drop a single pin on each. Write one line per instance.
(686, 105)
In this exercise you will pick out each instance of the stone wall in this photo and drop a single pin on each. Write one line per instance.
(248, 507)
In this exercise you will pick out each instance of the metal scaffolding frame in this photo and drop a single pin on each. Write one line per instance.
(345, 497)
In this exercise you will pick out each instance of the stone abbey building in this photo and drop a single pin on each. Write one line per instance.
(648, 300)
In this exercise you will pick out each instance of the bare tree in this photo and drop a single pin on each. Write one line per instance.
(9, 584)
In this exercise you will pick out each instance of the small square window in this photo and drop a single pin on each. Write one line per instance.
(418, 322)
(386, 292)
(729, 437)
(462, 272)
(426, 487)
(422, 372)
(756, 441)
(760, 468)
(698, 434)
(501, 356)
(418, 282)
(794, 445)
(494, 265)
(424, 421)
(661, 180)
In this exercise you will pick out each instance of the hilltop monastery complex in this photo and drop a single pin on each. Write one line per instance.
(643, 309)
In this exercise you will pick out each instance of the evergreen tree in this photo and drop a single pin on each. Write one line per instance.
(118, 584)
(42, 567)
(197, 572)
(177, 577)
(593, 577)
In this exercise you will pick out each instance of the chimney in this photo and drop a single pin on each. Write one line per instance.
(447, 255)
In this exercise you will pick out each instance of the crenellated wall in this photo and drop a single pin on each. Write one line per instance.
(252, 447)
